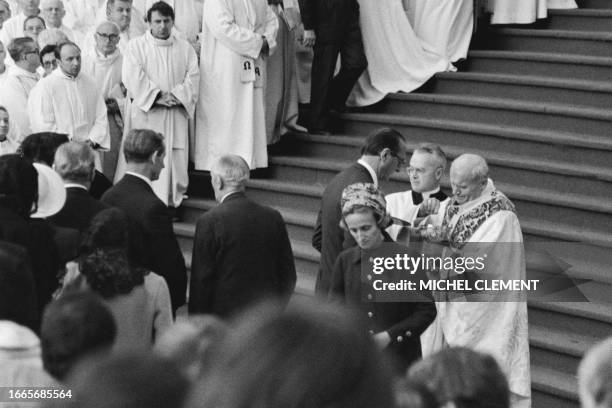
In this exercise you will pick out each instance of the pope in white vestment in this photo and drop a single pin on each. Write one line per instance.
(230, 115)
(152, 66)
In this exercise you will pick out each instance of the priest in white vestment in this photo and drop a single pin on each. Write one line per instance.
(479, 221)
(188, 17)
(160, 72)
(16, 89)
(237, 37)
(404, 63)
(104, 64)
(53, 12)
(68, 101)
(13, 27)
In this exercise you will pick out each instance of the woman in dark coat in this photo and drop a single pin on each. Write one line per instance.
(395, 326)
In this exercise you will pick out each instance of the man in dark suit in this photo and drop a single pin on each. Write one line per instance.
(74, 162)
(332, 27)
(241, 251)
(144, 152)
(383, 153)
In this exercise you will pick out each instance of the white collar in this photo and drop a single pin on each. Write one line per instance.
(370, 170)
(140, 176)
(75, 185)
(227, 195)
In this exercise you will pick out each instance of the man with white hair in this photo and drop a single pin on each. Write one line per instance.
(53, 12)
(480, 221)
(20, 81)
(103, 63)
(595, 376)
(13, 27)
(241, 250)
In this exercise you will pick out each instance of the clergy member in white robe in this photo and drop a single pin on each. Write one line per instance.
(481, 220)
(236, 38)
(160, 72)
(53, 12)
(15, 91)
(104, 64)
(281, 84)
(404, 63)
(445, 26)
(13, 27)
(188, 17)
(81, 17)
(524, 11)
(68, 101)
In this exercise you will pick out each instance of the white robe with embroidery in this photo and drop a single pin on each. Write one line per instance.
(59, 103)
(151, 66)
(231, 114)
(14, 94)
(497, 328)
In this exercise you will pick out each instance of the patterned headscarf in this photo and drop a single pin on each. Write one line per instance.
(366, 195)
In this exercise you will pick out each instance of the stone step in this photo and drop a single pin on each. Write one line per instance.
(490, 111)
(524, 88)
(591, 4)
(551, 175)
(543, 64)
(590, 43)
(580, 20)
(551, 388)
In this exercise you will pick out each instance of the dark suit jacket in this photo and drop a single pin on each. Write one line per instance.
(241, 253)
(78, 211)
(37, 237)
(153, 224)
(404, 321)
(329, 238)
(329, 18)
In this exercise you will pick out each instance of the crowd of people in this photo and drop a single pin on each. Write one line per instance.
(102, 106)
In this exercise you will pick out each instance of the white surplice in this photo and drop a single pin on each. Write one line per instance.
(445, 25)
(498, 328)
(63, 104)
(401, 205)
(150, 66)
(14, 94)
(404, 63)
(231, 114)
(524, 11)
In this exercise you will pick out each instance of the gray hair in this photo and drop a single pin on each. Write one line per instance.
(232, 169)
(477, 168)
(19, 46)
(434, 150)
(75, 161)
(595, 374)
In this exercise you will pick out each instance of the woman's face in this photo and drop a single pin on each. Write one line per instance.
(364, 229)
(4, 125)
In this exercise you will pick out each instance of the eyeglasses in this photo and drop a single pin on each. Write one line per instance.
(109, 37)
(50, 64)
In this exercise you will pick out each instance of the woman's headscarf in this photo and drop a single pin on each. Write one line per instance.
(366, 195)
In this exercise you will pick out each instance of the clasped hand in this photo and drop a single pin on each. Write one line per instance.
(167, 100)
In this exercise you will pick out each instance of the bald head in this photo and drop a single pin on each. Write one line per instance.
(469, 174)
(595, 376)
(107, 37)
(228, 174)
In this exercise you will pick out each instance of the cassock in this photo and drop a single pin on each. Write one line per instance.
(14, 94)
(150, 66)
(230, 115)
(282, 88)
(64, 104)
(106, 72)
(490, 224)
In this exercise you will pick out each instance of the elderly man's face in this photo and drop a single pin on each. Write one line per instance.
(70, 60)
(33, 27)
(120, 13)
(5, 13)
(465, 189)
(53, 12)
(29, 7)
(425, 172)
(107, 38)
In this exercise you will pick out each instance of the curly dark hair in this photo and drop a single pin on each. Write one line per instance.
(18, 184)
(40, 147)
(109, 273)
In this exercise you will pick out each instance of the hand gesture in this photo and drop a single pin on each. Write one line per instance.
(429, 206)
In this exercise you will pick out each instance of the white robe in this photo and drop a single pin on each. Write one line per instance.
(59, 103)
(14, 95)
(231, 114)
(404, 63)
(150, 66)
(444, 25)
(498, 328)
(524, 11)
(11, 29)
(81, 16)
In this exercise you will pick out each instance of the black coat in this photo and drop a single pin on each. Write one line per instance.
(241, 253)
(329, 238)
(404, 321)
(330, 19)
(78, 211)
(152, 223)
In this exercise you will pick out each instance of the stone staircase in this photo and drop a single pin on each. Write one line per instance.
(536, 103)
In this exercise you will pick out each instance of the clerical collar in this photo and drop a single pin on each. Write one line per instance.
(158, 41)
(140, 176)
(417, 198)
(62, 74)
(370, 170)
